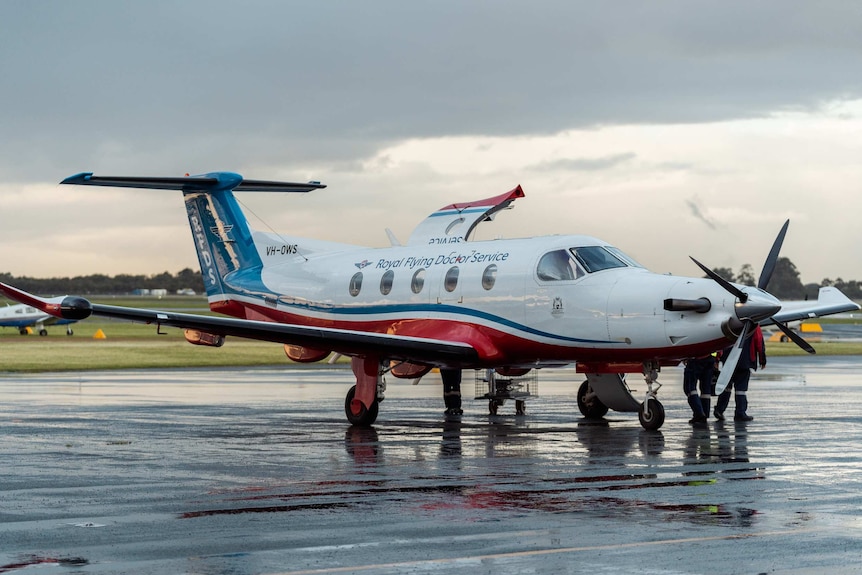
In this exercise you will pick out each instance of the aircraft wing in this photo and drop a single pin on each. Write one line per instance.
(829, 301)
(348, 342)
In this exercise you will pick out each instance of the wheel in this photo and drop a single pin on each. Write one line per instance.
(784, 339)
(655, 419)
(43, 332)
(493, 406)
(366, 416)
(23, 331)
(70, 332)
(591, 408)
(520, 407)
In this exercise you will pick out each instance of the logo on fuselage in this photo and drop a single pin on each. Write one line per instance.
(557, 307)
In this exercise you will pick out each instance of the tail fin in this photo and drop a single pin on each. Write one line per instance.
(223, 238)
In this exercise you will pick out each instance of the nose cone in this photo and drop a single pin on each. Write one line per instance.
(759, 306)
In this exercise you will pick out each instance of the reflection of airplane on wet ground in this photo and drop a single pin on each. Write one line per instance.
(27, 318)
(444, 300)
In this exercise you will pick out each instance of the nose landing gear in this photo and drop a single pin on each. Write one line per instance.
(651, 412)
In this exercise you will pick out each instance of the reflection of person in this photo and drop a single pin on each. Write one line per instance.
(698, 370)
(753, 354)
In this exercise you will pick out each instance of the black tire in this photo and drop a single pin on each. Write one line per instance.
(593, 408)
(520, 407)
(43, 332)
(366, 417)
(493, 406)
(656, 415)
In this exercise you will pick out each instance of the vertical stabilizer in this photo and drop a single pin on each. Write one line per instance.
(222, 237)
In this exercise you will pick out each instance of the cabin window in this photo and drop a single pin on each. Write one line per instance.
(418, 281)
(558, 266)
(489, 276)
(355, 284)
(451, 281)
(597, 258)
(386, 282)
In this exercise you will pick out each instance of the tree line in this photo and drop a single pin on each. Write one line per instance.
(786, 283)
(99, 284)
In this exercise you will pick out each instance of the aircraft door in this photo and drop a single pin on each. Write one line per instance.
(562, 302)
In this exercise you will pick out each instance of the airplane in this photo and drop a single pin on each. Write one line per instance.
(445, 300)
(26, 317)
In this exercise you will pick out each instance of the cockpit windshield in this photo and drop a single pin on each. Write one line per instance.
(597, 258)
(623, 256)
(575, 263)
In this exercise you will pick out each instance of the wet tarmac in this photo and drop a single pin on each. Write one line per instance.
(256, 471)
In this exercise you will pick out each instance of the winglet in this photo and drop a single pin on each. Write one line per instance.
(66, 307)
(81, 179)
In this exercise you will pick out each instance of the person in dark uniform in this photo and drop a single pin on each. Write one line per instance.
(452, 391)
(699, 370)
(753, 354)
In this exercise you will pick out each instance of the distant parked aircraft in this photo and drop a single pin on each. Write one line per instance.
(24, 316)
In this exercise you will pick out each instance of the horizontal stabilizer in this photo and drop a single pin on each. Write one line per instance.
(207, 182)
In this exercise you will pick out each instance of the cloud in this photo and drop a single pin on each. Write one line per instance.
(584, 164)
(694, 209)
(613, 117)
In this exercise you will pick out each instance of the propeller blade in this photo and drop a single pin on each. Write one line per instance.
(772, 258)
(743, 297)
(732, 359)
(794, 337)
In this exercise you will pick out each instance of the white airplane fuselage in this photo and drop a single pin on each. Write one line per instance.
(489, 294)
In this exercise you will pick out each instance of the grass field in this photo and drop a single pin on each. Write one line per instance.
(128, 345)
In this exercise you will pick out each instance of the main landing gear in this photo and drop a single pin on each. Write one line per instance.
(604, 391)
(363, 400)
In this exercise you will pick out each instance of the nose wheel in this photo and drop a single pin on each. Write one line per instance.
(651, 414)
(651, 411)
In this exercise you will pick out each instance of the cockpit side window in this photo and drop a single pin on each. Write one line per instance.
(597, 258)
(558, 266)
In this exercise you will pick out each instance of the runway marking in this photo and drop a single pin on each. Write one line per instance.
(541, 552)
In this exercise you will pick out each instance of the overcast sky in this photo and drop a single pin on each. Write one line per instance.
(669, 128)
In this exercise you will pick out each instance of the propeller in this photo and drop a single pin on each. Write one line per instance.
(751, 309)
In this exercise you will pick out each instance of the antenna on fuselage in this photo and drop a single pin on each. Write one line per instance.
(393, 241)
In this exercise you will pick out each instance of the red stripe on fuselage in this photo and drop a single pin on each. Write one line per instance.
(495, 347)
